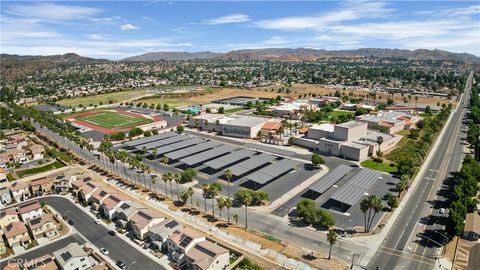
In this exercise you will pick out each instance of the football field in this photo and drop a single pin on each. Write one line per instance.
(114, 120)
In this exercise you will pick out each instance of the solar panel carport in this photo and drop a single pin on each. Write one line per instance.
(192, 150)
(229, 159)
(250, 164)
(353, 190)
(153, 138)
(268, 173)
(167, 141)
(324, 183)
(179, 145)
(210, 154)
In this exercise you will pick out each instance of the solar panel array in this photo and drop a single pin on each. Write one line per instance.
(192, 150)
(200, 157)
(150, 139)
(251, 163)
(360, 183)
(229, 159)
(167, 141)
(179, 145)
(268, 173)
(324, 183)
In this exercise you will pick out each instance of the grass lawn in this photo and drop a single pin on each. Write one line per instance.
(383, 167)
(234, 110)
(338, 113)
(55, 165)
(114, 120)
(104, 98)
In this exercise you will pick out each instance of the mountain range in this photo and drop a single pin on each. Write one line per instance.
(302, 54)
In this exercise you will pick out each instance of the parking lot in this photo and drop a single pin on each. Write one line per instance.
(272, 172)
(340, 192)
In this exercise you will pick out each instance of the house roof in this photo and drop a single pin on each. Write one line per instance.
(80, 182)
(203, 254)
(65, 254)
(18, 186)
(165, 228)
(183, 236)
(114, 200)
(472, 222)
(28, 207)
(8, 211)
(129, 208)
(40, 221)
(39, 181)
(247, 121)
(45, 262)
(143, 217)
(37, 148)
(271, 126)
(15, 228)
(102, 193)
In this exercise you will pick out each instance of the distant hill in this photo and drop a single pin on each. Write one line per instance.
(12, 65)
(314, 54)
(172, 56)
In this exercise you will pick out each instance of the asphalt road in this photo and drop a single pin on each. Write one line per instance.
(98, 235)
(404, 247)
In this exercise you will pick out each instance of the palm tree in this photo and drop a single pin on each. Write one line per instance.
(122, 155)
(214, 190)
(377, 206)
(221, 204)
(364, 207)
(190, 194)
(247, 200)
(206, 192)
(235, 217)
(165, 180)
(401, 186)
(170, 179)
(165, 162)
(228, 205)
(331, 238)
(155, 152)
(177, 177)
(228, 175)
(154, 181)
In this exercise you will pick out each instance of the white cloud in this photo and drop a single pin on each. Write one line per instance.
(95, 36)
(50, 11)
(233, 18)
(128, 26)
(349, 11)
(105, 19)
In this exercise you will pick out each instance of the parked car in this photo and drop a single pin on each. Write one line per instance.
(112, 232)
(121, 264)
(71, 222)
(441, 211)
(97, 221)
(104, 251)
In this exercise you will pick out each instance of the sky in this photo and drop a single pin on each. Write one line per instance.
(118, 29)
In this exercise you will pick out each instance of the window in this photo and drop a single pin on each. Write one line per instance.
(82, 259)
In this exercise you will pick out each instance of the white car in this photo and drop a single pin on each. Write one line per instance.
(441, 211)
(97, 221)
(104, 251)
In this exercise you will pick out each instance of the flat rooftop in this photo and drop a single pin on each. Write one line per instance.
(324, 127)
(354, 145)
(247, 121)
(350, 124)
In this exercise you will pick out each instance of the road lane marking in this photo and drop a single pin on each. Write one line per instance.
(407, 257)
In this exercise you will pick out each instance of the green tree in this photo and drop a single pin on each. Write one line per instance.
(317, 160)
(180, 128)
